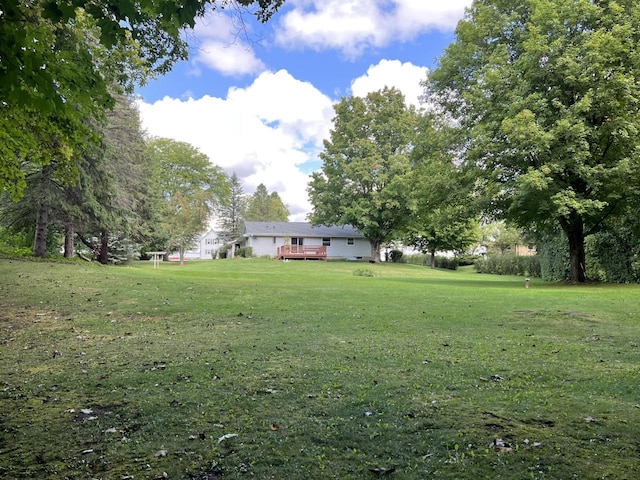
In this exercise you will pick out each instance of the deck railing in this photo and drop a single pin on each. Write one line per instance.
(302, 251)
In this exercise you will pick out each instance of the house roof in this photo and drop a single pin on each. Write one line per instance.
(298, 229)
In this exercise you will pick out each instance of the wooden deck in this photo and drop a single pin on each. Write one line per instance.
(302, 252)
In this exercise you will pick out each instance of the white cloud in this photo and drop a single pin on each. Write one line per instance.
(221, 46)
(406, 77)
(263, 132)
(352, 26)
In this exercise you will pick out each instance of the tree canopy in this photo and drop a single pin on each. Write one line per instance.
(263, 206)
(444, 215)
(59, 60)
(547, 92)
(362, 180)
(190, 188)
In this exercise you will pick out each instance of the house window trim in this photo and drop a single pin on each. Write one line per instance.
(326, 241)
(351, 241)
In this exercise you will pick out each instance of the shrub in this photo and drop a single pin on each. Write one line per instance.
(528, 266)
(468, 259)
(416, 259)
(395, 256)
(244, 252)
(613, 256)
(444, 262)
(553, 255)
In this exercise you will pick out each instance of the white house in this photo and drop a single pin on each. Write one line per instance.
(210, 243)
(204, 248)
(302, 240)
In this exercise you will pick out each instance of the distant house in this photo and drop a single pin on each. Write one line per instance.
(291, 240)
(210, 243)
(204, 248)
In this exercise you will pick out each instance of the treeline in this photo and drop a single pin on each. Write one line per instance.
(132, 194)
(73, 161)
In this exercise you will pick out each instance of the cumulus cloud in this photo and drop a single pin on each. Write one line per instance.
(221, 46)
(263, 132)
(406, 77)
(352, 26)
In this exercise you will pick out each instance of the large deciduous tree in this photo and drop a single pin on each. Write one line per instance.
(52, 58)
(362, 180)
(191, 188)
(444, 213)
(547, 91)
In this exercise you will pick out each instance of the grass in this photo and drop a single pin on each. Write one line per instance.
(262, 369)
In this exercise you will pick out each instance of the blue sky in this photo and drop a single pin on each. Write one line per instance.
(257, 99)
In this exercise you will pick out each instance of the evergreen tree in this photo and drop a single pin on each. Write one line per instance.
(230, 220)
(263, 206)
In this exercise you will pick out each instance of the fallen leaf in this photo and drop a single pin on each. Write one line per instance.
(275, 426)
(111, 430)
(161, 453)
(501, 447)
(86, 411)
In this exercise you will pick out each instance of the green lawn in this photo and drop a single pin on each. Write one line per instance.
(310, 370)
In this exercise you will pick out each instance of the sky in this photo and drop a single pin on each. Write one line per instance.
(258, 99)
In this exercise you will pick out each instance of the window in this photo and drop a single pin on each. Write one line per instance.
(326, 241)
(351, 241)
(274, 240)
(297, 240)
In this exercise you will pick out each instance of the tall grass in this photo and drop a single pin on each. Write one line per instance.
(256, 368)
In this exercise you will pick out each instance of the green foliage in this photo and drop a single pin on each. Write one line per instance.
(501, 238)
(60, 59)
(189, 189)
(510, 264)
(448, 263)
(417, 259)
(363, 272)
(614, 255)
(395, 256)
(439, 261)
(263, 206)
(468, 259)
(546, 92)
(244, 252)
(230, 211)
(223, 251)
(362, 181)
(554, 257)
(442, 196)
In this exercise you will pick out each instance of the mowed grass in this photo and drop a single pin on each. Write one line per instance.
(310, 370)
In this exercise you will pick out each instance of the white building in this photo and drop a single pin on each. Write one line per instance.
(302, 240)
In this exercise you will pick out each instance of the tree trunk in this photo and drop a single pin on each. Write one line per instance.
(433, 259)
(181, 253)
(103, 254)
(42, 224)
(573, 228)
(69, 235)
(375, 252)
